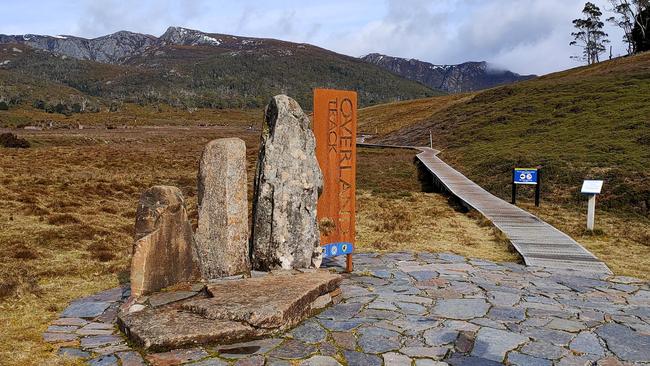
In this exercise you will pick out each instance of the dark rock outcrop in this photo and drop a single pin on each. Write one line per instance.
(465, 77)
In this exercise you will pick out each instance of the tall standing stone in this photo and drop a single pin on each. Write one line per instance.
(287, 184)
(222, 234)
(164, 252)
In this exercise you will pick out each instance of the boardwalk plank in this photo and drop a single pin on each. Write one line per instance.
(539, 243)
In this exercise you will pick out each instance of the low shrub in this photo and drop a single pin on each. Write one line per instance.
(9, 140)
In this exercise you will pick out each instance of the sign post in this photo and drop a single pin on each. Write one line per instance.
(591, 188)
(526, 176)
(335, 129)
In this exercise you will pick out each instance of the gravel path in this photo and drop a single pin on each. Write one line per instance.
(417, 309)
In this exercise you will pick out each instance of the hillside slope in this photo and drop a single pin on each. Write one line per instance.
(191, 69)
(461, 78)
(589, 122)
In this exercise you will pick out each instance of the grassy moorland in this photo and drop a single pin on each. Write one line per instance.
(67, 210)
(589, 122)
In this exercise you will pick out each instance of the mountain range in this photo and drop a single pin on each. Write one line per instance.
(461, 78)
(189, 68)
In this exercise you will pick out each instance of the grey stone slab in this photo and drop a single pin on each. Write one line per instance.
(320, 361)
(292, 349)
(440, 336)
(572, 360)
(278, 362)
(493, 344)
(59, 337)
(379, 314)
(557, 337)
(587, 342)
(345, 340)
(500, 298)
(210, 362)
(458, 360)
(361, 359)
(416, 323)
(381, 273)
(164, 298)
(72, 352)
(506, 314)
(111, 348)
(449, 257)
(373, 331)
(309, 332)
(382, 305)
(519, 359)
(341, 311)
(406, 298)
(100, 341)
(641, 297)
(396, 359)
(461, 325)
(566, 325)
(543, 350)
(132, 358)
(257, 360)
(486, 322)
(625, 343)
(428, 362)
(376, 344)
(411, 308)
(462, 309)
(341, 325)
(327, 349)
(61, 329)
(437, 353)
(88, 309)
(70, 321)
(105, 360)
(423, 275)
(349, 291)
(245, 349)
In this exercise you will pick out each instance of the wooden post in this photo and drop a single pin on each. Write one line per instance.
(591, 212)
(538, 186)
(430, 139)
(514, 189)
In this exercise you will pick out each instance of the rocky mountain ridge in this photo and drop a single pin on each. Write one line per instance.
(120, 47)
(465, 77)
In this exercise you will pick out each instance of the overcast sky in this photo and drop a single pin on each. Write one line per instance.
(526, 36)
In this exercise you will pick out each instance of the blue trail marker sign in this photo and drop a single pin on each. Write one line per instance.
(526, 176)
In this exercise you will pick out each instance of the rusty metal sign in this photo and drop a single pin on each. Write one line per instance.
(335, 129)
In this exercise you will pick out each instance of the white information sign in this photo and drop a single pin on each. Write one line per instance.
(592, 186)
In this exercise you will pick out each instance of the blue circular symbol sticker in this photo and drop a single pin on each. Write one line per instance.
(333, 250)
(344, 248)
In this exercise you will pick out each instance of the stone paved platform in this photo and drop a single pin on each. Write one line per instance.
(417, 309)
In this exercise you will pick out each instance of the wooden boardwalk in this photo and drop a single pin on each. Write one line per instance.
(539, 243)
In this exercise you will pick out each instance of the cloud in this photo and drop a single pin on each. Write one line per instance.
(102, 17)
(526, 36)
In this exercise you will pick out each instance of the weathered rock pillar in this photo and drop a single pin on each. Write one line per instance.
(164, 252)
(287, 184)
(222, 234)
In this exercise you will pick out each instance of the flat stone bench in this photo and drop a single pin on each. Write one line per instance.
(230, 311)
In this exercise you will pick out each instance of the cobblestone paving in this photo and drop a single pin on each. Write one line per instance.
(416, 309)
